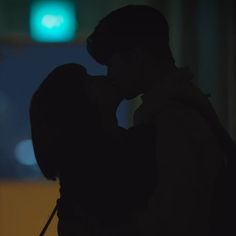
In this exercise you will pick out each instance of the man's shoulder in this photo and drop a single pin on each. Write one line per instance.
(176, 111)
(181, 118)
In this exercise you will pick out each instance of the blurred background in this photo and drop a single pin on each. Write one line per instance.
(36, 36)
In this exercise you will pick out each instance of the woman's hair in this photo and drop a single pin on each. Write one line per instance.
(59, 109)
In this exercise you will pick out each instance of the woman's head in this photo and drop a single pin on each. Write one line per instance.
(59, 108)
(67, 111)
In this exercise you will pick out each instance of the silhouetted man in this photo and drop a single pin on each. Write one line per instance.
(133, 42)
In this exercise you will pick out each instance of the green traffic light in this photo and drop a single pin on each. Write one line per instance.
(52, 21)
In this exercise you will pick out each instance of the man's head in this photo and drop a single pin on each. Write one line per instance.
(128, 40)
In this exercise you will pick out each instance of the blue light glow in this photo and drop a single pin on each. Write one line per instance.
(52, 21)
(24, 153)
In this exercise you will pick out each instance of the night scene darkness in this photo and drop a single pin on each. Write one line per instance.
(115, 146)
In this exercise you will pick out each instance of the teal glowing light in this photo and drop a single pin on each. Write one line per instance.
(52, 21)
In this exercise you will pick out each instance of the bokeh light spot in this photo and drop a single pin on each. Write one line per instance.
(53, 21)
(24, 153)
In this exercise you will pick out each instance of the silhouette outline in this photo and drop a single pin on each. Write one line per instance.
(103, 176)
(192, 146)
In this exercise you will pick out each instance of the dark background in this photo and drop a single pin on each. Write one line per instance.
(202, 37)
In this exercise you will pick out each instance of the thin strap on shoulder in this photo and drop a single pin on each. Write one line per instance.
(49, 219)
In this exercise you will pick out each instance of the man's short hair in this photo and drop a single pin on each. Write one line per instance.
(129, 27)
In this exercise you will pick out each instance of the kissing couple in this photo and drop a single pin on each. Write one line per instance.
(158, 177)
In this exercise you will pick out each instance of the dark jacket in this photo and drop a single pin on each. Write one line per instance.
(107, 179)
(191, 161)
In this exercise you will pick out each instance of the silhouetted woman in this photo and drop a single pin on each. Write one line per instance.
(103, 170)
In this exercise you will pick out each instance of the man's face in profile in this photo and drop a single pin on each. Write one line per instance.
(124, 73)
